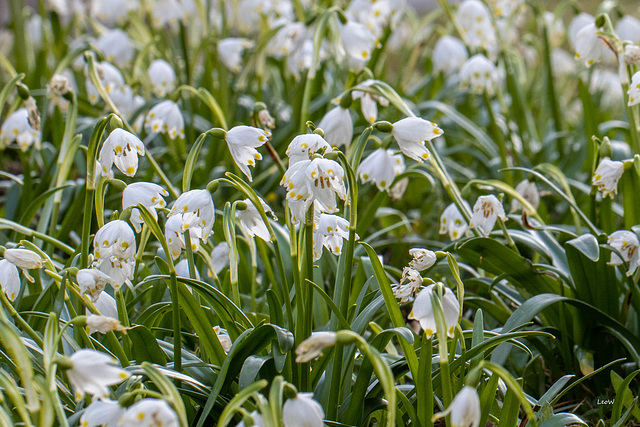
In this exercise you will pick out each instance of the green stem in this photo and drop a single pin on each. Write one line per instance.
(499, 138)
(424, 385)
(177, 329)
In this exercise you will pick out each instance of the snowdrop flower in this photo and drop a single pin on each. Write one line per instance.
(607, 175)
(485, 213)
(242, 142)
(577, 23)
(329, 232)
(192, 211)
(625, 242)
(116, 46)
(25, 260)
(112, 12)
(480, 75)
(114, 248)
(182, 270)
(106, 305)
(423, 310)
(368, 101)
(422, 258)
(165, 117)
(9, 279)
(92, 282)
(448, 55)
(223, 337)
(102, 412)
(251, 221)
(589, 47)
(381, 167)
(103, 324)
(302, 147)
(337, 126)
(464, 409)
(121, 148)
(220, 257)
(529, 191)
(230, 52)
(92, 372)
(149, 194)
(411, 133)
(628, 28)
(17, 128)
(358, 41)
(302, 410)
(312, 347)
(475, 21)
(109, 76)
(452, 222)
(634, 90)
(150, 412)
(413, 283)
(162, 77)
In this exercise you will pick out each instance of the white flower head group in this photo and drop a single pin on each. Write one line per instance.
(162, 77)
(590, 48)
(607, 175)
(192, 211)
(423, 310)
(449, 54)
(251, 220)
(480, 75)
(242, 142)
(358, 42)
(165, 117)
(626, 243)
(149, 194)
(121, 148)
(92, 372)
(302, 147)
(17, 128)
(114, 248)
(474, 19)
(381, 167)
(330, 232)
(486, 212)
(411, 133)
(230, 52)
(452, 222)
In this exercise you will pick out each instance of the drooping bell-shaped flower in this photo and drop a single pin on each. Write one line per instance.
(251, 221)
(474, 19)
(171, 12)
(92, 372)
(150, 412)
(607, 175)
(165, 117)
(242, 142)
(220, 257)
(116, 46)
(114, 248)
(464, 410)
(590, 48)
(103, 324)
(337, 126)
(302, 147)
(449, 54)
(149, 194)
(369, 101)
(452, 222)
(230, 52)
(628, 28)
(312, 347)
(162, 77)
(485, 213)
(358, 42)
(182, 270)
(106, 305)
(480, 75)
(9, 279)
(92, 282)
(411, 133)
(121, 148)
(302, 410)
(577, 23)
(330, 232)
(102, 412)
(381, 167)
(18, 129)
(528, 190)
(626, 243)
(423, 310)
(224, 338)
(110, 77)
(192, 211)
(422, 258)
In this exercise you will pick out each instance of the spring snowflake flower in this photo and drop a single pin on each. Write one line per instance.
(374, 15)
(302, 410)
(448, 56)
(242, 142)
(528, 190)
(121, 148)
(103, 324)
(607, 175)
(192, 211)
(480, 75)
(230, 52)
(625, 242)
(102, 412)
(464, 409)
(452, 222)
(150, 412)
(368, 101)
(106, 305)
(18, 128)
(251, 221)
(422, 258)
(312, 347)
(92, 372)
(162, 77)
(224, 338)
(288, 39)
(92, 282)
(411, 134)
(628, 28)
(149, 194)
(555, 28)
(116, 46)
(423, 311)
(112, 12)
(409, 285)
(25, 260)
(576, 24)
(114, 249)
(485, 213)
(109, 76)
(589, 47)
(302, 147)
(634, 90)
(165, 117)
(358, 42)
(506, 8)
(9, 279)
(381, 167)
(475, 21)
(329, 232)
(170, 12)
(309, 180)
(182, 270)
(337, 126)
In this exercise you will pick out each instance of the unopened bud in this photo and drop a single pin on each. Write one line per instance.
(632, 54)
(266, 120)
(58, 86)
(346, 100)
(384, 126)
(600, 20)
(34, 114)
(605, 148)
(217, 133)
(23, 91)
(240, 205)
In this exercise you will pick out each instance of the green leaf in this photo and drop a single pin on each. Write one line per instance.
(624, 397)
(148, 349)
(562, 420)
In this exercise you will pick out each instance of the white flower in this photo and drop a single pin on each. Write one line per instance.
(109, 76)
(423, 310)
(102, 412)
(300, 59)
(464, 409)
(475, 21)
(256, 419)
(329, 232)
(337, 126)
(411, 133)
(150, 412)
(172, 11)
(288, 39)
(114, 247)
(165, 117)
(224, 338)
(103, 324)
(251, 221)
(302, 147)
(17, 128)
(358, 41)
(375, 15)
(242, 142)
(112, 12)
(312, 347)
(126, 102)
(368, 101)
(452, 222)
(147, 193)
(9, 279)
(607, 83)
(625, 242)
(381, 167)
(607, 175)
(448, 55)
(506, 8)
(589, 47)
(162, 77)
(92, 282)
(480, 75)
(24, 259)
(528, 190)
(576, 24)
(182, 270)
(628, 28)
(93, 372)
(631, 54)
(485, 213)
(302, 411)
(230, 52)
(192, 211)
(220, 257)
(413, 283)
(106, 305)
(116, 46)
(422, 258)
(121, 148)
(634, 90)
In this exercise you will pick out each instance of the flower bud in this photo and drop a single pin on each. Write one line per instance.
(58, 86)
(24, 259)
(384, 127)
(632, 54)
(312, 347)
